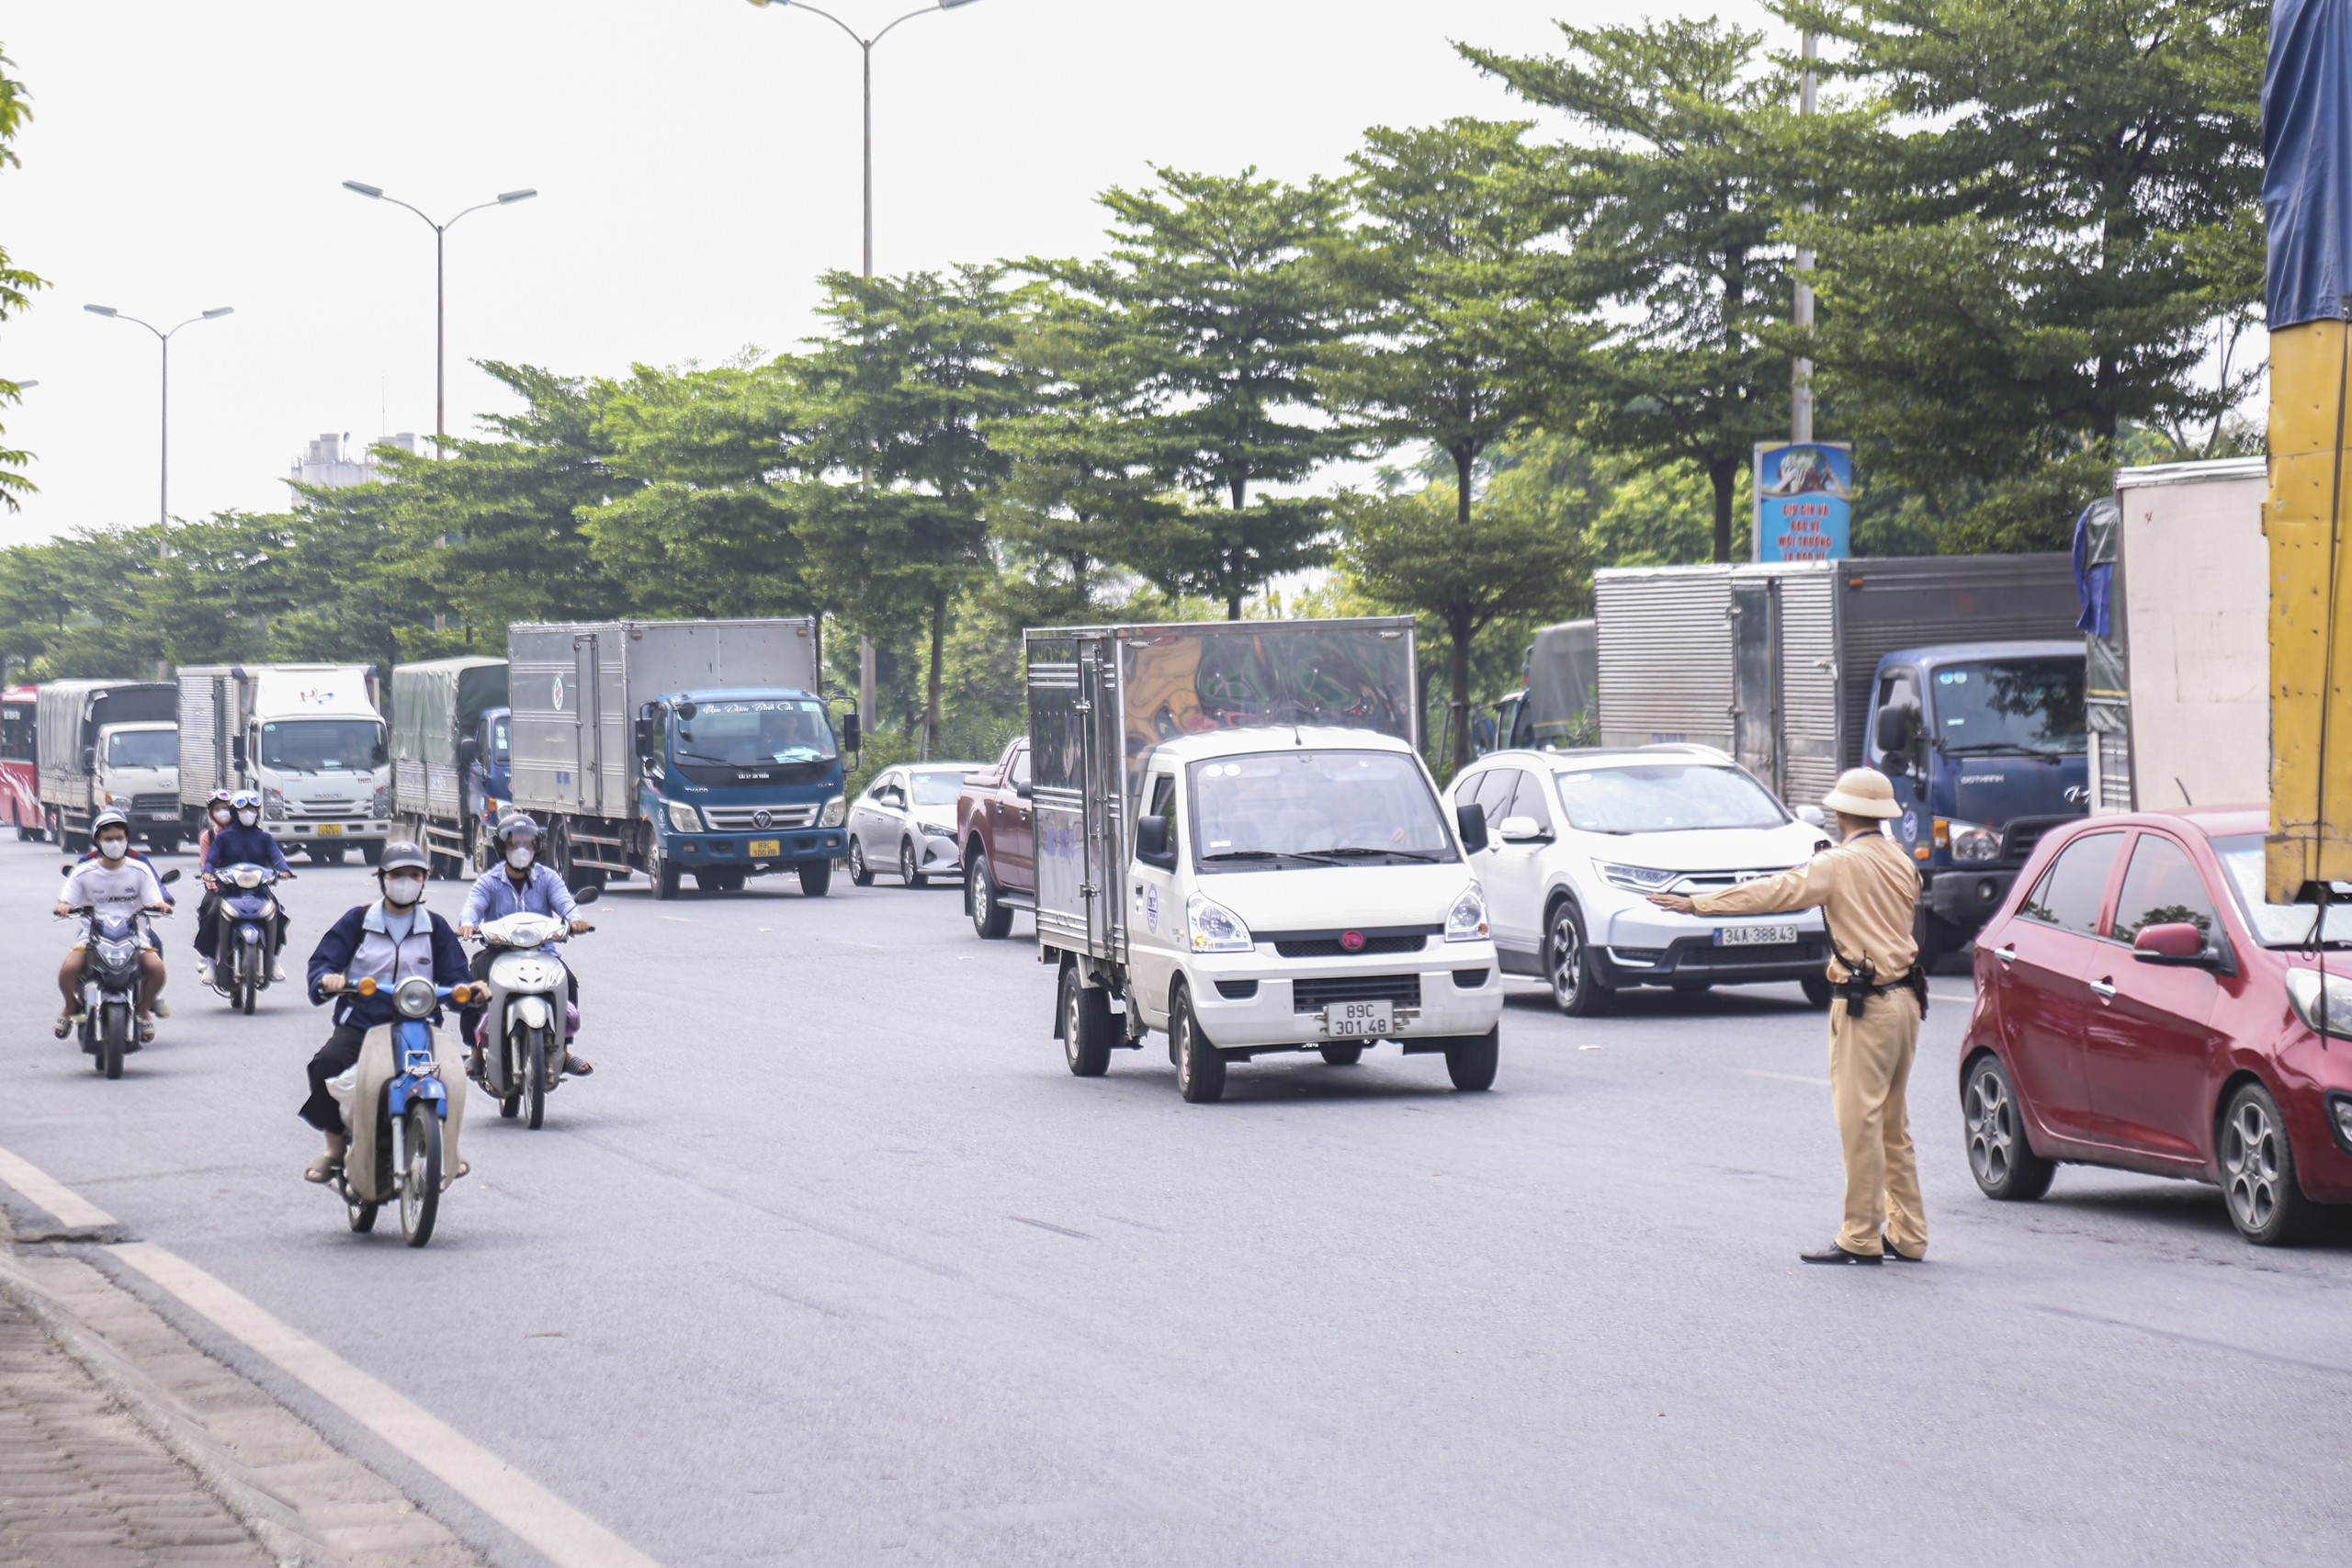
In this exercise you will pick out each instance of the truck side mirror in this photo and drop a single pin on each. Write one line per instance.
(641, 736)
(89, 759)
(380, 755)
(1151, 843)
(469, 752)
(1894, 728)
(1472, 822)
(851, 734)
(237, 750)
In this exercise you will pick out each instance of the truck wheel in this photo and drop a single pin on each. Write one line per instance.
(816, 878)
(906, 865)
(1200, 1067)
(860, 874)
(1086, 1027)
(1470, 1061)
(163, 843)
(990, 915)
(662, 876)
(1570, 966)
(326, 856)
(371, 853)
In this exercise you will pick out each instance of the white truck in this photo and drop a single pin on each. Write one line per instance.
(1237, 841)
(108, 743)
(309, 739)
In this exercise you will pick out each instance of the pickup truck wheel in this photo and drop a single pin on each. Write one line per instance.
(906, 865)
(661, 874)
(1200, 1069)
(1086, 1025)
(1343, 1055)
(860, 874)
(990, 915)
(1470, 1062)
(816, 878)
(1570, 966)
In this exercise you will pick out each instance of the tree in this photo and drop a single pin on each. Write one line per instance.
(2041, 247)
(1456, 337)
(1668, 201)
(15, 283)
(1213, 318)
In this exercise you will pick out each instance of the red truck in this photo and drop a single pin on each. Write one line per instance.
(999, 845)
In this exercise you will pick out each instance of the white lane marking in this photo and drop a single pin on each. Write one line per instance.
(561, 1533)
(1784, 1078)
(72, 1209)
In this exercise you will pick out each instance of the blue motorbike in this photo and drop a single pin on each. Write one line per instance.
(245, 933)
(411, 1110)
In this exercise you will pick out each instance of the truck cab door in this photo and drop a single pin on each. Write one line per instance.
(1016, 828)
(1155, 908)
(1905, 763)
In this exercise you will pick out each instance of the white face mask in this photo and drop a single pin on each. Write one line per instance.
(403, 891)
(222, 815)
(113, 849)
(249, 817)
(520, 857)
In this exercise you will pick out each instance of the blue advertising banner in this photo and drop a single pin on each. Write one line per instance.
(1804, 493)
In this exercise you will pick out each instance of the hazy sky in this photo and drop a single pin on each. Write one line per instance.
(697, 165)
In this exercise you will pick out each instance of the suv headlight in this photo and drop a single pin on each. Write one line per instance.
(940, 830)
(2304, 990)
(1215, 928)
(835, 809)
(1466, 921)
(1972, 843)
(1637, 878)
(684, 818)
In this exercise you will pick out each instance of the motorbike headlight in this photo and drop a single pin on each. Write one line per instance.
(1637, 878)
(1466, 921)
(272, 805)
(2316, 1000)
(247, 878)
(1215, 928)
(1972, 843)
(835, 810)
(414, 996)
(684, 818)
(382, 803)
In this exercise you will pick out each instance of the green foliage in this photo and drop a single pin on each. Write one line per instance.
(16, 284)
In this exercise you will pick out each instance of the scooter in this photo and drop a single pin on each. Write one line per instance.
(522, 1049)
(111, 982)
(415, 1105)
(246, 935)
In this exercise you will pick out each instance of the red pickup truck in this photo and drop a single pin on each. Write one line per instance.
(999, 846)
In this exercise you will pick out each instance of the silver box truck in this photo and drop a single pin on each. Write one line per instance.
(436, 710)
(108, 743)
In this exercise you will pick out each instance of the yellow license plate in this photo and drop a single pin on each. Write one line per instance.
(329, 829)
(765, 847)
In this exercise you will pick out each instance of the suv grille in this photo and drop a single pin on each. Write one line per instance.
(1315, 994)
(743, 818)
(1329, 947)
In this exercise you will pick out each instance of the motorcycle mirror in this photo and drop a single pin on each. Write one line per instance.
(169, 877)
(588, 895)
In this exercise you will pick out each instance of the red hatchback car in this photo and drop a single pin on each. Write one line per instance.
(2140, 1005)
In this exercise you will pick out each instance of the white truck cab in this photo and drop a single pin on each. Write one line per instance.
(138, 773)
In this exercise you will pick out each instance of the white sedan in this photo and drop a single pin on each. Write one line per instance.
(906, 822)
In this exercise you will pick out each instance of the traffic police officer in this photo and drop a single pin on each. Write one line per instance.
(1865, 888)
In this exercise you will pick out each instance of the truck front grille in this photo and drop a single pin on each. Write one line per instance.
(1329, 947)
(746, 819)
(155, 805)
(1316, 993)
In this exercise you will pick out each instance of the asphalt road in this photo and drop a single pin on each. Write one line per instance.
(833, 1262)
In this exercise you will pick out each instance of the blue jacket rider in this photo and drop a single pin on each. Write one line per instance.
(518, 885)
(388, 939)
(244, 841)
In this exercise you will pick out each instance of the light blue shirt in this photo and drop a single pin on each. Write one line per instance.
(494, 895)
(398, 925)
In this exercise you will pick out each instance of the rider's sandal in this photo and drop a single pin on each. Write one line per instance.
(64, 1025)
(146, 1031)
(323, 1169)
(577, 1068)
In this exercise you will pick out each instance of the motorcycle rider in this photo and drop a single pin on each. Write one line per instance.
(389, 940)
(220, 811)
(241, 842)
(519, 884)
(112, 884)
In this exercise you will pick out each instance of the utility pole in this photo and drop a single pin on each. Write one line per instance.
(1801, 313)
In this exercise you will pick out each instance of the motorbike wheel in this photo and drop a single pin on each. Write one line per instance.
(510, 1107)
(114, 1028)
(534, 1078)
(420, 1171)
(363, 1215)
(248, 965)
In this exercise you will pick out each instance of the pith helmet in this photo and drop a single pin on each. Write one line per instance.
(1863, 792)
(400, 855)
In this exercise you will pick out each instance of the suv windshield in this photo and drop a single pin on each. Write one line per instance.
(144, 748)
(748, 733)
(1665, 798)
(2030, 706)
(2279, 925)
(1314, 808)
(322, 744)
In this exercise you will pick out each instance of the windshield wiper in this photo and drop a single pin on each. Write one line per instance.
(1241, 854)
(705, 757)
(2002, 749)
(1354, 851)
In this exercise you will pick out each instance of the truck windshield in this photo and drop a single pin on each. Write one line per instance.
(322, 744)
(144, 748)
(1317, 808)
(2025, 706)
(750, 732)
(1667, 797)
(2279, 925)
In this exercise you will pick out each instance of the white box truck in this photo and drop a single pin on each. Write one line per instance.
(309, 739)
(108, 743)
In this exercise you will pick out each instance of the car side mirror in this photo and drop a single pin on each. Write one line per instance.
(588, 895)
(468, 750)
(1151, 843)
(1471, 820)
(853, 734)
(169, 877)
(1023, 790)
(1518, 830)
(1811, 816)
(2178, 944)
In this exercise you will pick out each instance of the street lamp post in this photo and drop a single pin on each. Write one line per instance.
(1801, 311)
(163, 462)
(865, 670)
(440, 295)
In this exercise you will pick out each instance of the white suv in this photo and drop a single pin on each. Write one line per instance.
(1577, 840)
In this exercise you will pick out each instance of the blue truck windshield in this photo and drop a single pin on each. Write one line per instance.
(750, 731)
(2023, 706)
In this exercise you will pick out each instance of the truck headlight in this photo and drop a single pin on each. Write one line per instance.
(684, 818)
(272, 805)
(835, 809)
(382, 805)
(1637, 878)
(1466, 921)
(2305, 991)
(1216, 928)
(1972, 843)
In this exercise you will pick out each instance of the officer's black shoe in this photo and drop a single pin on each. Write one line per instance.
(1888, 1248)
(1833, 1253)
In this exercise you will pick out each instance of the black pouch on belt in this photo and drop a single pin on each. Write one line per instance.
(1916, 983)
(1859, 988)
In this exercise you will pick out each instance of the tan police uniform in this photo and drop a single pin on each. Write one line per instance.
(1865, 888)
